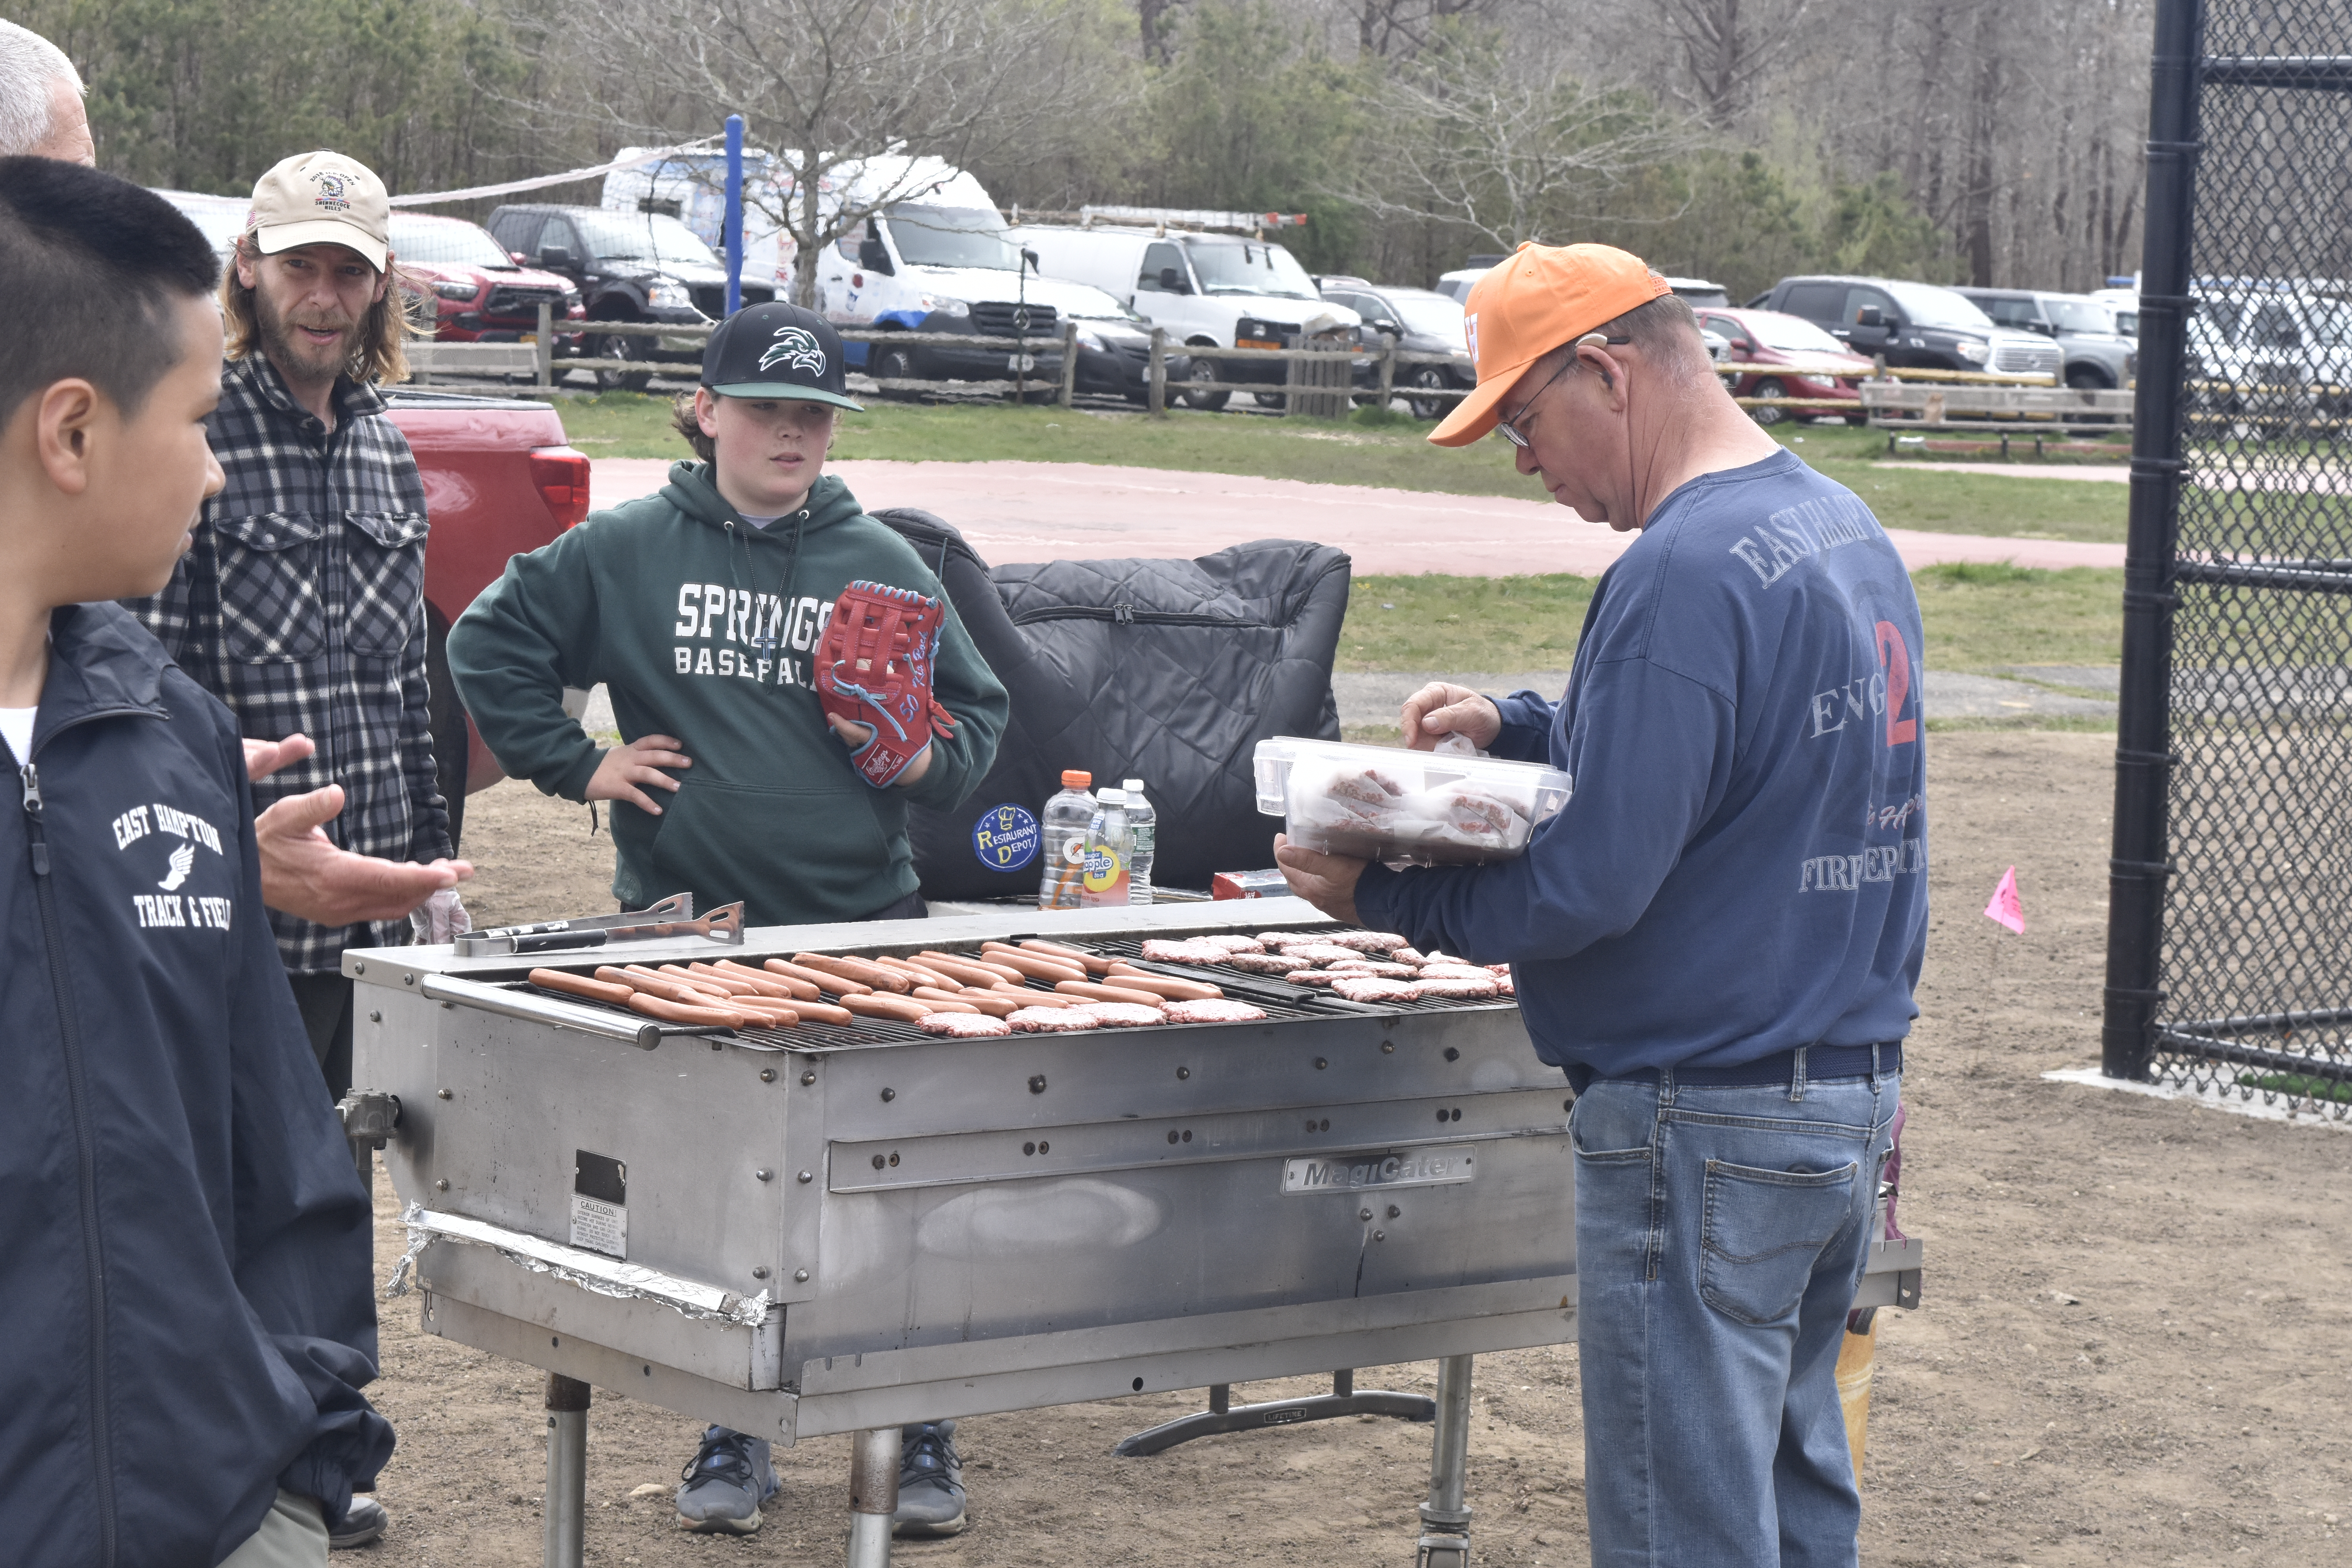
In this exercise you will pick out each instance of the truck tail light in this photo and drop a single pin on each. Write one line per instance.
(561, 475)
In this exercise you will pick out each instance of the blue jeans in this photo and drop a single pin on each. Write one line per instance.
(1719, 1238)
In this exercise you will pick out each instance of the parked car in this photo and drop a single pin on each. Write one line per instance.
(480, 294)
(2269, 354)
(1698, 291)
(1915, 325)
(1114, 346)
(1767, 340)
(628, 267)
(2122, 304)
(2096, 357)
(1456, 285)
(1206, 291)
(1418, 321)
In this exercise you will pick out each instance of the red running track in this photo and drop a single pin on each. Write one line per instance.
(1048, 511)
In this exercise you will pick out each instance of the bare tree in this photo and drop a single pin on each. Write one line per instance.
(1727, 48)
(838, 87)
(1402, 28)
(1501, 141)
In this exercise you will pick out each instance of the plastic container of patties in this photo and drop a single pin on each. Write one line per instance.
(1447, 808)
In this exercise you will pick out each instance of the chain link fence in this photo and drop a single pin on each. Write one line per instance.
(2230, 940)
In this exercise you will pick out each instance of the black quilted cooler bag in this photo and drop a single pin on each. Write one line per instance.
(1169, 671)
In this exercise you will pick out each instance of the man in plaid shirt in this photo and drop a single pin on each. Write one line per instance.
(301, 605)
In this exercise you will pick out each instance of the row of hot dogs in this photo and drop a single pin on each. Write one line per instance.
(992, 992)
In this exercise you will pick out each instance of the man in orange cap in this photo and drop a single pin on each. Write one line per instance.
(1718, 937)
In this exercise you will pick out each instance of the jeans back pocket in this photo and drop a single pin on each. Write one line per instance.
(1763, 1233)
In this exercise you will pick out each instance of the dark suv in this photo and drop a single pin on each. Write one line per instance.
(1915, 325)
(629, 267)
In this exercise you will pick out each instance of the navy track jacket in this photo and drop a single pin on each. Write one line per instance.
(186, 1315)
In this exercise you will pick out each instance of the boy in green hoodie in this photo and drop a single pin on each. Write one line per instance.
(701, 610)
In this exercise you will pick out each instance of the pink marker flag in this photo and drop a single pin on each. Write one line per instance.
(2005, 908)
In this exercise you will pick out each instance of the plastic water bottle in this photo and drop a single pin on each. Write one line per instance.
(1110, 851)
(1068, 816)
(1144, 823)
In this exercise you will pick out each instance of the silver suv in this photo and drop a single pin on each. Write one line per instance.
(2097, 357)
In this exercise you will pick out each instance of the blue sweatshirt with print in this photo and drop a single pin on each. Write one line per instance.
(1743, 866)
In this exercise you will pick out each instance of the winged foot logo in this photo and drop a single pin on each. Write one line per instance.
(795, 348)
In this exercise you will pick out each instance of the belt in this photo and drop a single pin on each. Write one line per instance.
(1822, 1062)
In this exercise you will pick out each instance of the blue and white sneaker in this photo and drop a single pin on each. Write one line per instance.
(726, 1483)
(930, 1481)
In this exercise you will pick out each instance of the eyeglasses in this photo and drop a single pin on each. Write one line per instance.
(1509, 427)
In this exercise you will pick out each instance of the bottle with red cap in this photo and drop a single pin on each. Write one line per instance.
(1068, 816)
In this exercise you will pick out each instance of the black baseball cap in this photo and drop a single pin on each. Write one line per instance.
(780, 351)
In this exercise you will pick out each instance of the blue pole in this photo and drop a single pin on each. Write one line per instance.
(733, 237)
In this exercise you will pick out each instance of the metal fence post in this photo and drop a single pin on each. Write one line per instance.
(546, 346)
(1158, 399)
(1069, 362)
(2136, 870)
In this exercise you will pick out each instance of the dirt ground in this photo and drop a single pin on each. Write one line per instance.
(2131, 1348)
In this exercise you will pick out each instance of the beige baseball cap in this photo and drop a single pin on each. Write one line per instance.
(322, 199)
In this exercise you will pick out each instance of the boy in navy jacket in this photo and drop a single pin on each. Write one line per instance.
(184, 1243)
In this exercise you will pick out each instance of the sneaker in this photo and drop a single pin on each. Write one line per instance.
(364, 1521)
(726, 1483)
(930, 1481)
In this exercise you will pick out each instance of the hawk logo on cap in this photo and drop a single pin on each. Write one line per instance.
(331, 191)
(1470, 336)
(795, 348)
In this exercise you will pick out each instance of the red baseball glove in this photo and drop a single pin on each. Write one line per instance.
(874, 666)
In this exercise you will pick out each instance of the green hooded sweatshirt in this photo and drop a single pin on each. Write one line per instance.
(703, 627)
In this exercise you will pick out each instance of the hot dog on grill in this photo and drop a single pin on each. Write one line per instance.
(1174, 990)
(580, 986)
(995, 1004)
(646, 983)
(1091, 963)
(765, 984)
(939, 1000)
(1095, 993)
(710, 982)
(864, 970)
(965, 970)
(905, 1009)
(823, 1013)
(670, 1012)
(922, 973)
(817, 978)
(1034, 966)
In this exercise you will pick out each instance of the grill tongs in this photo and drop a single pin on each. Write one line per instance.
(672, 917)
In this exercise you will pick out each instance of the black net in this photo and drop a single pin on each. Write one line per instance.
(2256, 966)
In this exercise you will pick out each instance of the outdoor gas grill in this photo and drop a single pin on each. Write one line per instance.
(841, 1229)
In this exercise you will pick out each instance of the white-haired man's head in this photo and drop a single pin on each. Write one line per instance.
(40, 99)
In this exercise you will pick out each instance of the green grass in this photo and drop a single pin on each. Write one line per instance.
(1366, 449)
(1980, 616)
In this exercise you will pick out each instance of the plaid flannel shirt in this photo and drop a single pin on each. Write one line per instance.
(301, 606)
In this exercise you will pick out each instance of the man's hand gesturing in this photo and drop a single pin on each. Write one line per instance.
(305, 875)
(1441, 708)
(625, 768)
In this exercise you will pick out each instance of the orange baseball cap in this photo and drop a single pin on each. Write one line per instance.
(1543, 297)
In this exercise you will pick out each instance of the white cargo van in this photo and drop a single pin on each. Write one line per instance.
(692, 188)
(1207, 290)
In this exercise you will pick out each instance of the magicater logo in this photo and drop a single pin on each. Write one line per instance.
(795, 348)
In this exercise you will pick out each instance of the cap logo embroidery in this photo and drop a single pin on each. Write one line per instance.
(333, 188)
(1470, 336)
(795, 348)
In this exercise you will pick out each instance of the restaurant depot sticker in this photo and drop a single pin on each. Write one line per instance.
(1005, 837)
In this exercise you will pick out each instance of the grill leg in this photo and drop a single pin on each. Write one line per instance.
(1444, 1517)
(565, 1508)
(873, 1495)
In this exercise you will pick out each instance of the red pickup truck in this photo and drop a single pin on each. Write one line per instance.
(499, 479)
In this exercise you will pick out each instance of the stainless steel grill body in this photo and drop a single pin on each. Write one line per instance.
(945, 1228)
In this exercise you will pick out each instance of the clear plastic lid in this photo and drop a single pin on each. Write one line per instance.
(1446, 807)
(1110, 795)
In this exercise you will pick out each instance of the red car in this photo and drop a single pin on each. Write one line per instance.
(482, 296)
(1768, 338)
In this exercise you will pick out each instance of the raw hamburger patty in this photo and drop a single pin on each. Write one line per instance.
(1212, 1013)
(1317, 952)
(1459, 990)
(968, 1026)
(1374, 990)
(1160, 950)
(1124, 1014)
(1049, 1021)
(1366, 940)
